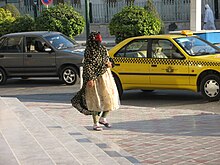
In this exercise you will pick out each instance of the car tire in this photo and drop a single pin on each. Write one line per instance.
(210, 87)
(119, 86)
(69, 75)
(3, 77)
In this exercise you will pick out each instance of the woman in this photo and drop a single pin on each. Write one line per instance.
(98, 95)
(209, 20)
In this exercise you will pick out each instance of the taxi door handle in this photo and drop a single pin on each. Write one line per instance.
(117, 64)
(1, 56)
(153, 65)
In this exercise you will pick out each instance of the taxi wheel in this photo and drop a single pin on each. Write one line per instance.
(69, 75)
(210, 87)
(3, 77)
(119, 87)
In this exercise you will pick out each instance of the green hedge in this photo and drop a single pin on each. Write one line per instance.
(62, 18)
(134, 21)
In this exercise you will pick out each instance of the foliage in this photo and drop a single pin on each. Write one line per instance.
(62, 18)
(134, 21)
(6, 20)
(13, 9)
(151, 9)
(22, 24)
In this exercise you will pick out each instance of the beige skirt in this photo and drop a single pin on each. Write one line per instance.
(103, 96)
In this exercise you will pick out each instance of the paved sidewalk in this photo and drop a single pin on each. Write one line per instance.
(157, 136)
(139, 135)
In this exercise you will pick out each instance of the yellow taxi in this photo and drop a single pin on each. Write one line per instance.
(180, 62)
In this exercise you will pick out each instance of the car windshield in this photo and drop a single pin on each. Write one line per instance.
(61, 42)
(195, 46)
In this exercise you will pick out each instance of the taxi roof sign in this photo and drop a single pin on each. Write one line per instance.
(187, 32)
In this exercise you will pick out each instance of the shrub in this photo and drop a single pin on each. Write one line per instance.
(134, 21)
(151, 9)
(22, 24)
(62, 18)
(6, 20)
(13, 9)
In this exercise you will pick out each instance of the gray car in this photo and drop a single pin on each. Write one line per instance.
(40, 54)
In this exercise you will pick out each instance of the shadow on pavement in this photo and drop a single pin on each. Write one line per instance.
(31, 82)
(54, 91)
(189, 125)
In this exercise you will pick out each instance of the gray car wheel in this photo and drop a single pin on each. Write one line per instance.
(69, 75)
(210, 87)
(3, 77)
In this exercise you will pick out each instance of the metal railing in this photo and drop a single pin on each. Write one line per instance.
(103, 13)
(173, 11)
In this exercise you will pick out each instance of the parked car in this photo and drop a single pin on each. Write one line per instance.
(180, 62)
(40, 54)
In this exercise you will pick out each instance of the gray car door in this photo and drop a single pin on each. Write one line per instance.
(37, 61)
(11, 55)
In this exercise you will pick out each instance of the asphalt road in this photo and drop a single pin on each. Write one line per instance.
(52, 90)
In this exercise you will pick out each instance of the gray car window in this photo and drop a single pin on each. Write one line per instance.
(12, 45)
(1, 41)
(60, 42)
(35, 44)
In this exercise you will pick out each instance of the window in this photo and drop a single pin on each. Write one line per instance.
(35, 44)
(1, 42)
(12, 45)
(60, 42)
(157, 49)
(135, 49)
(194, 46)
(165, 49)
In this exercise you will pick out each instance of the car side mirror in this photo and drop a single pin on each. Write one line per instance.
(48, 49)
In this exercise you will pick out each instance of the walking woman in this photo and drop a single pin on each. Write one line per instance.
(98, 95)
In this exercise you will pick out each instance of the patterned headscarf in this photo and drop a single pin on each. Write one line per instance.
(95, 57)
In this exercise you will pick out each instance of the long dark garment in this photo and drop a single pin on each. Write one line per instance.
(95, 68)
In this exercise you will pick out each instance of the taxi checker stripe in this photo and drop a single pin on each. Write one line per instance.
(165, 61)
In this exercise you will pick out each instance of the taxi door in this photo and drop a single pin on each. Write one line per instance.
(168, 67)
(131, 64)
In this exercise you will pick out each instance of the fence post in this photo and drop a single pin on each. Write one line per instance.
(87, 18)
(90, 12)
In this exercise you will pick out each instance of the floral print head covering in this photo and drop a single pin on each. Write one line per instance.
(95, 57)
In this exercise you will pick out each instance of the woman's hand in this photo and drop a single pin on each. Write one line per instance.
(90, 83)
(109, 64)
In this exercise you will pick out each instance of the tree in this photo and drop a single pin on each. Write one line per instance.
(151, 9)
(134, 21)
(13, 9)
(6, 20)
(62, 18)
(22, 24)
